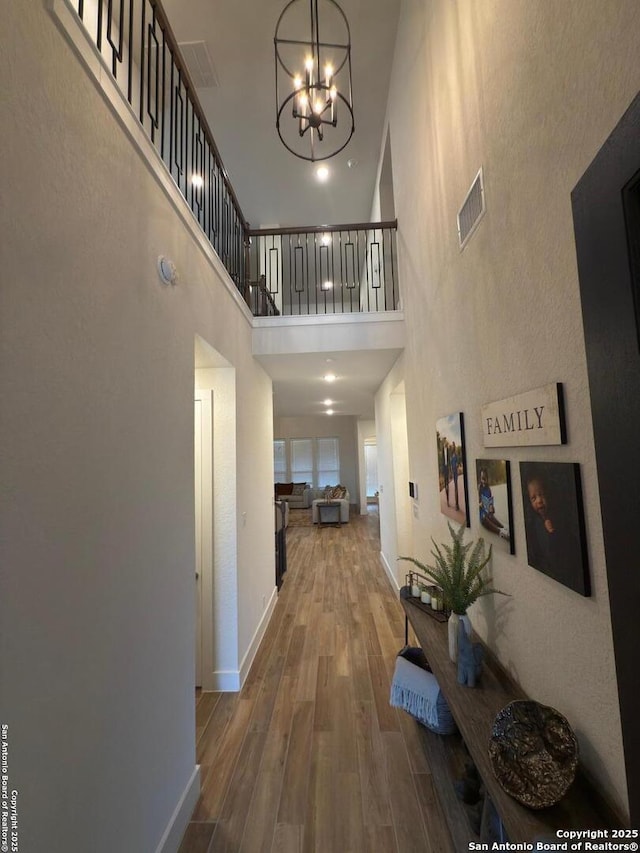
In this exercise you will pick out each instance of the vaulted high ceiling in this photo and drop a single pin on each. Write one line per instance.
(273, 186)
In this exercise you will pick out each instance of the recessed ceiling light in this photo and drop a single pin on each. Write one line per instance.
(328, 402)
(322, 173)
(330, 377)
(329, 411)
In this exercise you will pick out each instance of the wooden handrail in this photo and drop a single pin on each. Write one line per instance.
(321, 229)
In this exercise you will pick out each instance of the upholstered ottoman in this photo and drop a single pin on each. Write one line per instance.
(344, 509)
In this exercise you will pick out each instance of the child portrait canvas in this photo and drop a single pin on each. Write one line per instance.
(495, 509)
(554, 522)
(452, 469)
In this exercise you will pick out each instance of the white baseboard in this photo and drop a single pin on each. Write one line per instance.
(174, 833)
(231, 680)
(224, 681)
(389, 573)
(245, 666)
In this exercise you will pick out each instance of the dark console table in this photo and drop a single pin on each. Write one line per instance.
(474, 710)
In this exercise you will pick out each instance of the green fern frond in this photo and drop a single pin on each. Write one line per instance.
(458, 570)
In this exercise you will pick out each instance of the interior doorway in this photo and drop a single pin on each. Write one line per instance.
(606, 212)
(203, 502)
(400, 450)
(371, 471)
(197, 480)
(215, 388)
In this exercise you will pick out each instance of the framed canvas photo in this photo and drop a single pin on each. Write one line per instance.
(452, 468)
(495, 508)
(554, 522)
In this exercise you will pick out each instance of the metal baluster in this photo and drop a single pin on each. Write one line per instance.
(164, 94)
(142, 34)
(306, 289)
(99, 30)
(192, 170)
(171, 116)
(130, 55)
(393, 271)
(152, 47)
(116, 50)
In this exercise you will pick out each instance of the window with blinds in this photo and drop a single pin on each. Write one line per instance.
(309, 460)
(328, 462)
(280, 460)
(301, 460)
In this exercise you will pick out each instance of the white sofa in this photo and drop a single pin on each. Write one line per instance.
(296, 500)
(316, 496)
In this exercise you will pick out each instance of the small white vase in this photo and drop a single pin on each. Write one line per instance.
(452, 625)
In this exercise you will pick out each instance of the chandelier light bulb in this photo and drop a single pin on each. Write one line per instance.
(297, 82)
(197, 181)
(333, 93)
(308, 63)
(322, 173)
(328, 73)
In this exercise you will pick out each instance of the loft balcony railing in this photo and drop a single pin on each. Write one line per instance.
(292, 271)
(136, 42)
(323, 270)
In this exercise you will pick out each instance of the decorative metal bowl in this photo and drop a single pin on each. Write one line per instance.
(533, 753)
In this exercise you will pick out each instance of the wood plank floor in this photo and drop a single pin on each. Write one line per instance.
(310, 756)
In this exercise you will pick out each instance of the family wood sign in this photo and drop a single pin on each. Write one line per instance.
(533, 418)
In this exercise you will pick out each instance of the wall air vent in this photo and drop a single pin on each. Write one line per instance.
(472, 210)
(199, 64)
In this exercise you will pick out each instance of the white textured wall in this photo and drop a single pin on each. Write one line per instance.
(96, 434)
(529, 91)
(391, 528)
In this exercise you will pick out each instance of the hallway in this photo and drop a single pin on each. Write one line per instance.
(309, 756)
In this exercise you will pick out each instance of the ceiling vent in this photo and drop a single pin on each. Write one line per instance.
(199, 64)
(472, 210)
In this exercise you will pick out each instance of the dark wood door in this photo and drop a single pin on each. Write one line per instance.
(606, 212)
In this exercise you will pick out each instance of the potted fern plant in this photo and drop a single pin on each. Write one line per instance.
(458, 572)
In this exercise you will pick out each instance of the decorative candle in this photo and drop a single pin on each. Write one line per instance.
(425, 596)
(415, 589)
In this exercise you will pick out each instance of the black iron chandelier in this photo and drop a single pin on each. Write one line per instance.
(313, 79)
